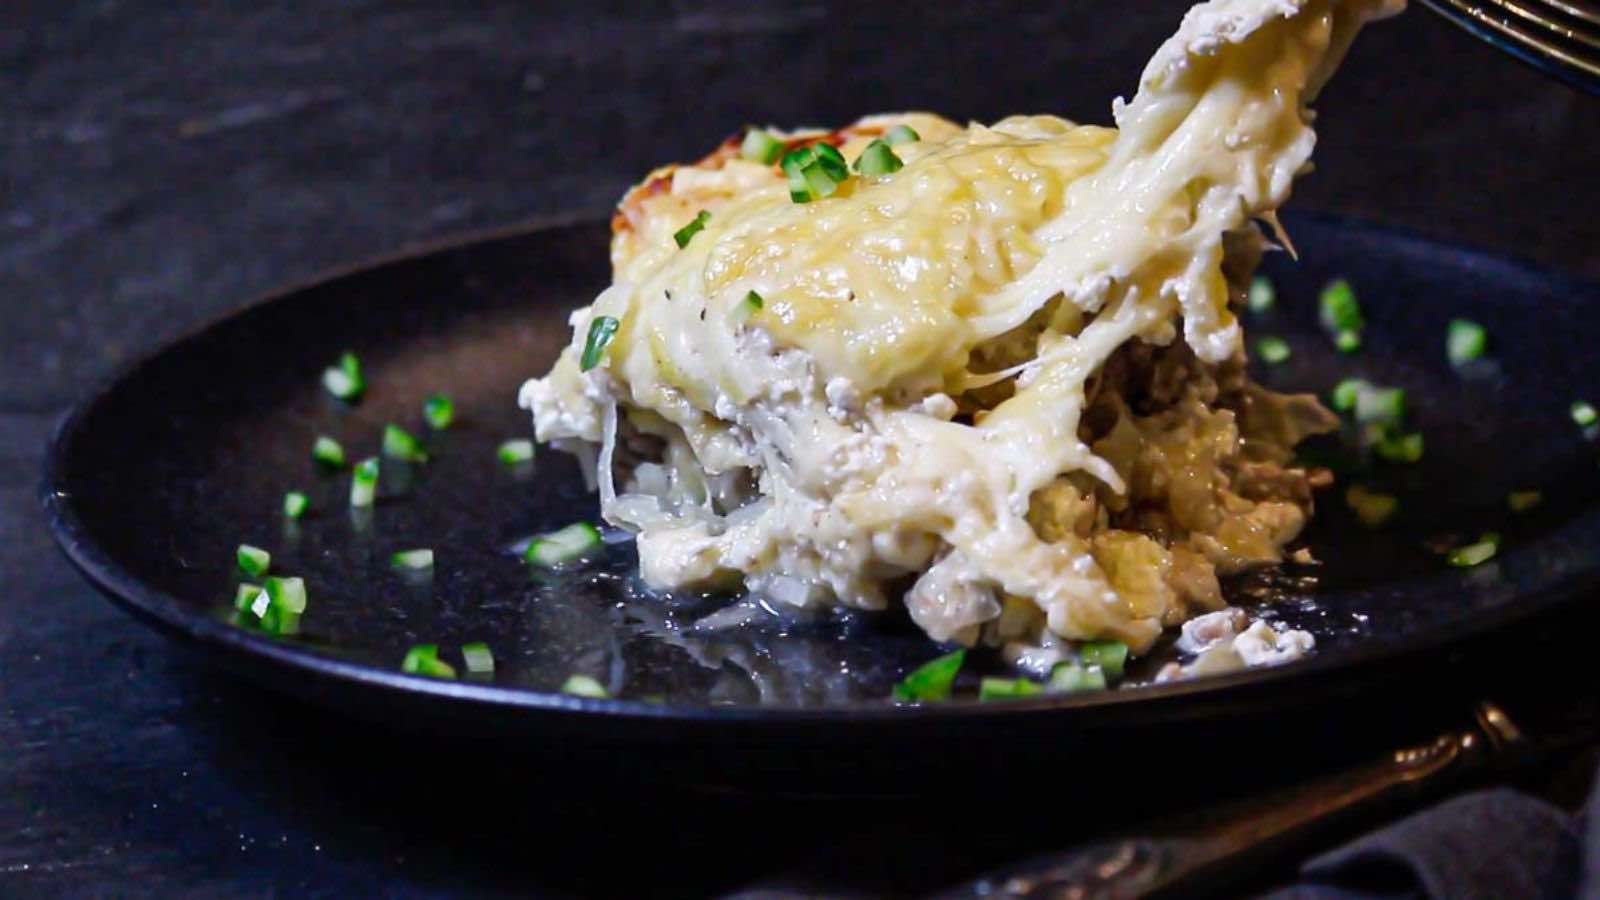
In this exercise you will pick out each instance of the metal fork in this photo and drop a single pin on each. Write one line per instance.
(1559, 37)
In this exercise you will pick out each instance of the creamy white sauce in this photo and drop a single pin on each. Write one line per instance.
(831, 397)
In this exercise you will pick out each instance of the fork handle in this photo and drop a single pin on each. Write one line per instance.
(1214, 860)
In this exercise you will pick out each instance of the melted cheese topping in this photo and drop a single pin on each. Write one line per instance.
(813, 445)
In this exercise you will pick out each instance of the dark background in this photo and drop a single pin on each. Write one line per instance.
(164, 162)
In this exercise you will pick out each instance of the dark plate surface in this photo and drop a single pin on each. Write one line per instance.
(154, 480)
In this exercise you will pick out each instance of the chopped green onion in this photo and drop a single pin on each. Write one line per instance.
(439, 411)
(1376, 404)
(345, 381)
(288, 594)
(423, 659)
(1373, 509)
(1272, 350)
(1340, 310)
(364, 482)
(514, 452)
(277, 620)
(1347, 341)
(479, 659)
(401, 444)
(760, 146)
(601, 330)
(1465, 341)
(753, 301)
(1068, 677)
(901, 134)
(1262, 294)
(1347, 393)
(686, 234)
(878, 159)
(814, 172)
(584, 686)
(253, 561)
(564, 545)
(327, 451)
(1397, 447)
(245, 596)
(1110, 656)
(1004, 688)
(295, 504)
(932, 679)
(413, 559)
(1522, 501)
(1584, 414)
(1476, 554)
(260, 603)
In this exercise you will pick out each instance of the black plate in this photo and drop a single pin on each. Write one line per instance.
(156, 478)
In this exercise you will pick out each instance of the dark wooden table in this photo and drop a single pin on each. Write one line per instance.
(164, 162)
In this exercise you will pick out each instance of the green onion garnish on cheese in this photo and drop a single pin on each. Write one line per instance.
(601, 330)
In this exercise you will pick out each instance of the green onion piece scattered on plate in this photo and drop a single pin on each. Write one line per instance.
(1399, 447)
(932, 679)
(1347, 341)
(364, 482)
(327, 451)
(601, 330)
(1070, 677)
(1476, 553)
(253, 561)
(423, 659)
(288, 594)
(1522, 501)
(1347, 393)
(1584, 414)
(1263, 296)
(1340, 311)
(245, 596)
(1272, 350)
(1465, 341)
(878, 159)
(295, 504)
(564, 545)
(686, 234)
(584, 686)
(901, 134)
(514, 452)
(478, 657)
(345, 380)
(277, 620)
(401, 444)
(1110, 656)
(760, 146)
(1378, 404)
(1005, 688)
(1372, 508)
(439, 411)
(261, 604)
(415, 560)
(752, 302)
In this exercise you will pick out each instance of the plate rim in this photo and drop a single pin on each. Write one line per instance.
(1169, 702)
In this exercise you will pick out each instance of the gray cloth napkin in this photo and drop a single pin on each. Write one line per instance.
(1494, 844)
